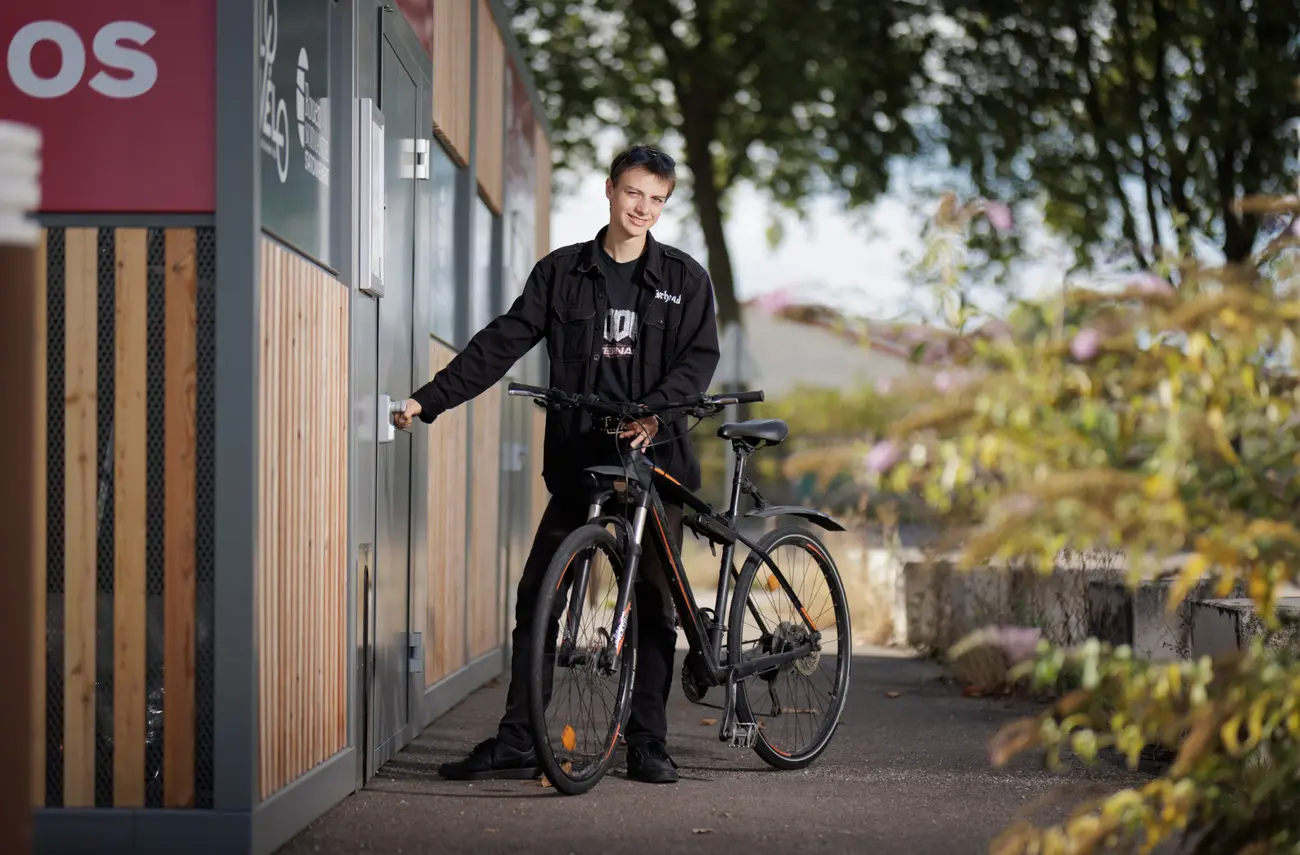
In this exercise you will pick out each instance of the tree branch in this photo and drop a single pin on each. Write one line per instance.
(1174, 154)
(1150, 179)
(739, 161)
(659, 21)
(1092, 102)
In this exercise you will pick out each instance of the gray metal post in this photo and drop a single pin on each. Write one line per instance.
(19, 195)
(238, 230)
(466, 197)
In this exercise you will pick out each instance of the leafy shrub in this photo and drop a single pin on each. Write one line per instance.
(1159, 420)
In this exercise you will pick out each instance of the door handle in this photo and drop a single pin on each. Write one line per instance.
(388, 407)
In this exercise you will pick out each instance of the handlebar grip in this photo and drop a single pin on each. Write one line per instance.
(525, 389)
(743, 398)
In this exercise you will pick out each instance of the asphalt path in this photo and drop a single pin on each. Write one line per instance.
(908, 773)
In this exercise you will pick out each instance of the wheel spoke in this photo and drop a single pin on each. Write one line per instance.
(580, 724)
(797, 703)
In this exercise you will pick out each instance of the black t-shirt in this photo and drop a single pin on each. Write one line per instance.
(618, 346)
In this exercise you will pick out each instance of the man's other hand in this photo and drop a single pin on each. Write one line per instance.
(403, 420)
(642, 431)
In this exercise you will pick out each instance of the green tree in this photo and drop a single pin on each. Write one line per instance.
(1139, 123)
(797, 98)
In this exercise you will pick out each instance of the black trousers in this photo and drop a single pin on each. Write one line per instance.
(656, 628)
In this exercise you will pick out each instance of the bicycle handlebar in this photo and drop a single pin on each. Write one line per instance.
(701, 406)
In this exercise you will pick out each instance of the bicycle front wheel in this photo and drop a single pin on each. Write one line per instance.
(582, 662)
(796, 705)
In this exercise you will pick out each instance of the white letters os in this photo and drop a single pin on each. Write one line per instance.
(112, 46)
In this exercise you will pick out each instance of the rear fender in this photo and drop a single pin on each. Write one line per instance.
(826, 521)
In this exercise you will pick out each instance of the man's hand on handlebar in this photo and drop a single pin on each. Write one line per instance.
(404, 419)
(642, 431)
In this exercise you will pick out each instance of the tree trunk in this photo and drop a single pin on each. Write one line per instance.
(708, 206)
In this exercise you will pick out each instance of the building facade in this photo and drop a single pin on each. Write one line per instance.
(263, 221)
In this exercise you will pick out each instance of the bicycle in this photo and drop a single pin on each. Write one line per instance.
(794, 645)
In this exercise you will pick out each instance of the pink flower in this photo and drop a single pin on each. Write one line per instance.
(1149, 283)
(916, 335)
(1019, 505)
(1017, 643)
(774, 301)
(1000, 218)
(883, 456)
(995, 330)
(948, 381)
(1085, 345)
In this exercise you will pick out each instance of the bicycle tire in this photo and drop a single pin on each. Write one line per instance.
(798, 536)
(580, 540)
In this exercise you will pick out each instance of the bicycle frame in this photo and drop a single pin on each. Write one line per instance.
(642, 485)
(639, 483)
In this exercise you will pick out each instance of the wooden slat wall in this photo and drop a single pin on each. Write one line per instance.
(543, 245)
(79, 519)
(452, 31)
(490, 119)
(485, 514)
(130, 516)
(179, 488)
(302, 537)
(445, 651)
(81, 491)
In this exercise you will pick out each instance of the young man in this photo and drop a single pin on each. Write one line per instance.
(629, 319)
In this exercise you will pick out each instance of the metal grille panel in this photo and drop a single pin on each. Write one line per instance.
(155, 481)
(155, 503)
(205, 500)
(55, 276)
(104, 401)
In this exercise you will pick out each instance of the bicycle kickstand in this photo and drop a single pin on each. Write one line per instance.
(738, 734)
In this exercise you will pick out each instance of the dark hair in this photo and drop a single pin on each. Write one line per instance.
(652, 160)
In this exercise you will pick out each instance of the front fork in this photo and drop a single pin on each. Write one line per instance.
(609, 655)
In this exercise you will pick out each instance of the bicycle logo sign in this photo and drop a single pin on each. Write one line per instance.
(275, 115)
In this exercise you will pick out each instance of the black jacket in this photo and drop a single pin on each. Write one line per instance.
(564, 303)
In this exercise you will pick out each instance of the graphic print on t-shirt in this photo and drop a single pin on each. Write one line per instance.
(620, 334)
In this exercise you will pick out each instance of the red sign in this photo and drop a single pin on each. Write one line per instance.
(123, 92)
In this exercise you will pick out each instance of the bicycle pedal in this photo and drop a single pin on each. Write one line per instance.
(744, 735)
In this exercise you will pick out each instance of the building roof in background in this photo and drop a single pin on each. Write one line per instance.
(785, 344)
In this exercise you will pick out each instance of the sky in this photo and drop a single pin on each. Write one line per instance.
(856, 262)
(833, 255)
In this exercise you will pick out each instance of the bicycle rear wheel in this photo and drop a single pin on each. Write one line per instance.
(581, 669)
(797, 705)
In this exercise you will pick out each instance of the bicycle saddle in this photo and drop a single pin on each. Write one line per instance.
(772, 431)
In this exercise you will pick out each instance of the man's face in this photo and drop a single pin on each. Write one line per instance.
(636, 201)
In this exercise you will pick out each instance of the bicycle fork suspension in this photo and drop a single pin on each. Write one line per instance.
(609, 655)
(577, 600)
(623, 604)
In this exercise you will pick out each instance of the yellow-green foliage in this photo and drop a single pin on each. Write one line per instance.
(831, 413)
(1159, 421)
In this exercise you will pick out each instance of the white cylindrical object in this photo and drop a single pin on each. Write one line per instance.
(20, 183)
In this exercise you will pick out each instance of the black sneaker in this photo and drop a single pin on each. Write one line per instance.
(649, 763)
(492, 758)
